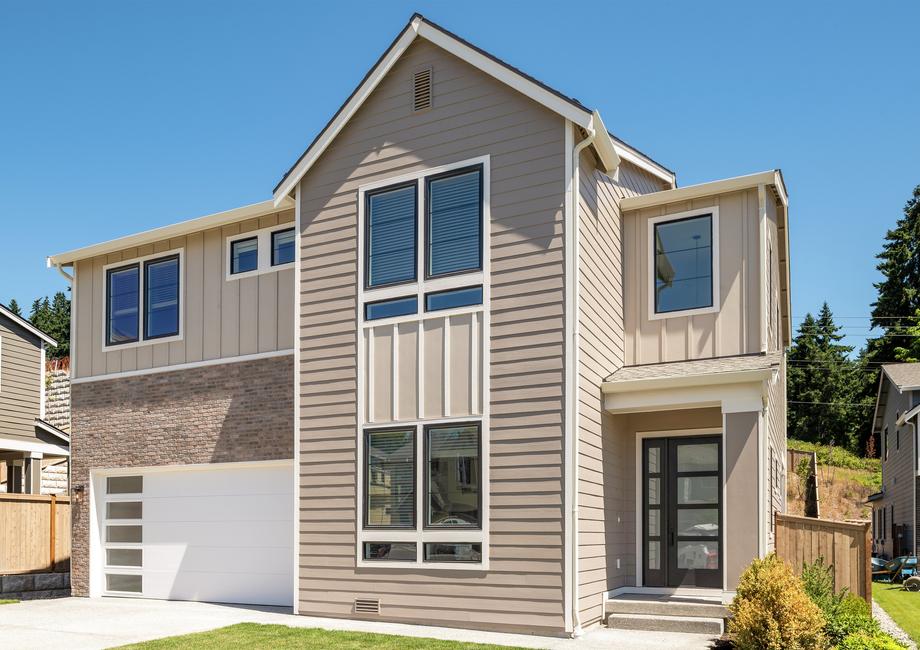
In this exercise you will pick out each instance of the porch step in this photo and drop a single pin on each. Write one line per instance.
(666, 613)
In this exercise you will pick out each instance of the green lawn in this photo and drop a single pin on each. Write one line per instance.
(254, 635)
(902, 606)
(4, 601)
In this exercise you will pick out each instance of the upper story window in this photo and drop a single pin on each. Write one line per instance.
(260, 251)
(684, 264)
(452, 228)
(142, 300)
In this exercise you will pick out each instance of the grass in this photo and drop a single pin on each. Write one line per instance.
(837, 456)
(255, 635)
(7, 601)
(902, 606)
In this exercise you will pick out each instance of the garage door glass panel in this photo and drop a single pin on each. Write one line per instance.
(124, 510)
(121, 582)
(124, 534)
(124, 484)
(124, 557)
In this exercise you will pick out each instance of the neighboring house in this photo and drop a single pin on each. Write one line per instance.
(478, 363)
(894, 508)
(33, 452)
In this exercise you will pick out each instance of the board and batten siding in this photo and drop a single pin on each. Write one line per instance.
(472, 115)
(222, 318)
(735, 328)
(601, 352)
(20, 380)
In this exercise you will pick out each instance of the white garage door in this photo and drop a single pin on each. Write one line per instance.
(219, 534)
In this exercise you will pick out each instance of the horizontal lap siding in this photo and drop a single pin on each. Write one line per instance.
(601, 342)
(20, 380)
(473, 115)
(222, 318)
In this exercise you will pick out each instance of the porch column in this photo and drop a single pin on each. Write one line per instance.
(742, 496)
(32, 480)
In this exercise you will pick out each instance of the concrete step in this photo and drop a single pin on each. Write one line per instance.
(657, 623)
(672, 607)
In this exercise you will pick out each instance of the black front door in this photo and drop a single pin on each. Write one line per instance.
(682, 511)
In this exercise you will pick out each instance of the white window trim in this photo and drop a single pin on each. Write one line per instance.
(419, 535)
(141, 317)
(650, 280)
(263, 251)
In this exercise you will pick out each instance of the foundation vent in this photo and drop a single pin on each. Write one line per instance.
(367, 606)
(421, 89)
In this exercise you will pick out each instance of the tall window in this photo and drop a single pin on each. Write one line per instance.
(156, 315)
(390, 479)
(683, 264)
(391, 236)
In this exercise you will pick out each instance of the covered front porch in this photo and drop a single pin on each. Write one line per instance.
(685, 469)
(36, 464)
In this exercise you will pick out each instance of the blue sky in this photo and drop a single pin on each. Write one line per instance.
(116, 117)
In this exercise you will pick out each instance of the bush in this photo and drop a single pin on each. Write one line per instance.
(771, 610)
(866, 641)
(818, 582)
(850, 617)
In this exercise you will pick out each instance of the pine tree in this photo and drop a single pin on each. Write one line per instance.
(53, 318)
(14, 307)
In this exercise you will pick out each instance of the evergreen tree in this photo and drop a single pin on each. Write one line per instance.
(53, 318)
(14, 307)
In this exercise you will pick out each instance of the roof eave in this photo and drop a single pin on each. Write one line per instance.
(771, 177)
(701, 379)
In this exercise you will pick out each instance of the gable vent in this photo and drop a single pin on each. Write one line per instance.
(421, 90)
(367, 606)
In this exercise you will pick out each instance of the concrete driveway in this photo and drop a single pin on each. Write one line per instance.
(84, 623)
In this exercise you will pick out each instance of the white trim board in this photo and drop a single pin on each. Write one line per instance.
(26, 325)
(183, 366)
(734, 184)
(6, 444)
(264, 251)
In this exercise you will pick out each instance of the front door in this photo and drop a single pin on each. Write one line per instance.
(682, 511)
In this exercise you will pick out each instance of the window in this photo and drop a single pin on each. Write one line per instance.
(885, 442)
(260, 251)
(282, 246)
(391, 235)
(454, 223)
(684, 266)
(390, 479)
(158, 280)
(390, 308)
(161, 296)
(897, 439)
(452, 477)
(123, 313)
(244, 255)
(453, 299)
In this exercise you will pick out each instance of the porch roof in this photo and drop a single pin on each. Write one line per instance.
(722, 367)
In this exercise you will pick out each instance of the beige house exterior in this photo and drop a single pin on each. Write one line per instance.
(478, 393)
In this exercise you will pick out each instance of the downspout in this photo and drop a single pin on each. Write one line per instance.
(61, 270)
(572, 383)
(73, 291)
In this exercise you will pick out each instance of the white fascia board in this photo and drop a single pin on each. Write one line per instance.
(643, 162)
(26, 325)
(734, 398)
(174, 230)
(50, 428)
(684, 381)
(604, 145)
(45, 448)
(286, 188)
(735, 184)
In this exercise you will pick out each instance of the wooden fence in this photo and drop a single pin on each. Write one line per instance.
(845, 546)
(34, 533)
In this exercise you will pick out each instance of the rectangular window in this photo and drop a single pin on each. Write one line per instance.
(683, 264)
(452, 476)
(124, 534)
(123, 317)
(124, 557)
(454, 222)
(282, 247)
(391, 236)
(244, 255)
(161, 301)
(390, 308)
(389, 482)
(453, 298)
(127, 583)
(391, 551)
(124, 510)
(440, 552)
(124, 485)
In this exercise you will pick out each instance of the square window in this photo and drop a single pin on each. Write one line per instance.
(389, 483)
(452, 477)
(161, 301)
(282, 247)
(683, 264)
(244, 255)
(454, 223)
(122, 305)
(391, 235)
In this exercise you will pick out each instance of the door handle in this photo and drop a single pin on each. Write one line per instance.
(671, 538)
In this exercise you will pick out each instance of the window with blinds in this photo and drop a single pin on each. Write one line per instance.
(122, 313)
(454, 223)
(391, 236)
(161, 296)
(142, 300)
(390, 479)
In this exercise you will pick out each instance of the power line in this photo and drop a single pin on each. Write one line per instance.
(833, 403)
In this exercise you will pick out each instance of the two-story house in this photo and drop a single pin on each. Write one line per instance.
(894, 426)
(29, 444)
(477, 363)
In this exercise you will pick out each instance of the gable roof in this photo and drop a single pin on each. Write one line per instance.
(610, 150)
(26, 325)
(900, 376)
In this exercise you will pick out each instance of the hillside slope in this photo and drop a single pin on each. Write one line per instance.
(845, 481)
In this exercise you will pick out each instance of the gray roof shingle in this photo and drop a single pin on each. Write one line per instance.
(697, 367)
(903, 375)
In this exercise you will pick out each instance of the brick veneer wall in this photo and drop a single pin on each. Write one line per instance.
(241, 411)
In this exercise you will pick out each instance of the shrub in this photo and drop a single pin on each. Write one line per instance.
(771, 610)
(850, 617)
(818, 582)
(866, 641)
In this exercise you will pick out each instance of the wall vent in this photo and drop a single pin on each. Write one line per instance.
(367, 606)
(421, 89)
